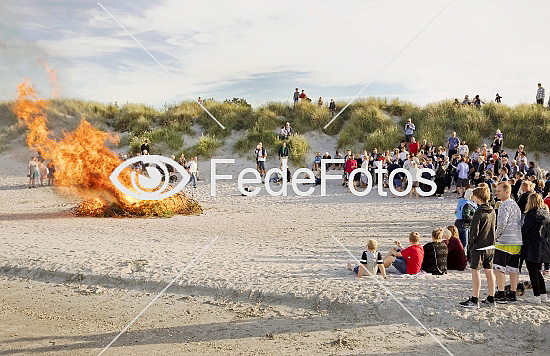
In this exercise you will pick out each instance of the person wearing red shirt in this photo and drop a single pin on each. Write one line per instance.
(413, 147)
(409, 260)
(303, 95)
(349, 166)
(547, 201)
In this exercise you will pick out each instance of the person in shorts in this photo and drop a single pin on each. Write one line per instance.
(481, 245)
(508, 243)
(261, 156)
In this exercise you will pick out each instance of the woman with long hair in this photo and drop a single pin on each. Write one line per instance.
(536, 244)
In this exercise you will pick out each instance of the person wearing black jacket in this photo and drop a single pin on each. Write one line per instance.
(546, 186)
(283, 151)
(536, 244)
(440, 179)
(481, 246)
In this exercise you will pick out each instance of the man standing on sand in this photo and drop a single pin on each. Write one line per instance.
(261, 155)
(540, 94)
(409, 130)
(508, 243)
(296, 96)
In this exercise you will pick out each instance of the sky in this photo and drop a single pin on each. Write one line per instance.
(262, 50)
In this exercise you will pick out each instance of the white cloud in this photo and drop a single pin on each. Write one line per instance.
(473, 47)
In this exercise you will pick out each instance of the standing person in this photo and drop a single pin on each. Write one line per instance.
(288, 129)
(413, 147)
(415, 185)
(199, 100)
(453, 143)
(540, 94)
(145, 147)
(332, 107)
(338, 166)
(508, 243)
(463, 170)
(497, 98)
(283, 135)
(51, 172)
(182, 161)
(464, 214)
(536, 245)
(497, 142)
(33, 172)
(440, 178)
(463, 149)
(477, 101)
(409, 130)
(43, 171)
(349, 166)
(261, 155)
(283, 154)
(296, 96)
(466, 100)
(480, 245)
(193, 170)
(303, 96)
(320, 102)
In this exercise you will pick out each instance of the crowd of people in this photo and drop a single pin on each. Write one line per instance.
(502, 216)
(40, 172)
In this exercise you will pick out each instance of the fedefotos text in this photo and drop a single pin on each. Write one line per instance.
(255, 178)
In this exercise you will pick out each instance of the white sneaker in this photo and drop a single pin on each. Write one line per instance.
(544, 298)
(534, 300)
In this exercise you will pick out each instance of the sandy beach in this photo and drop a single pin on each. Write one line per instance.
(274, 283)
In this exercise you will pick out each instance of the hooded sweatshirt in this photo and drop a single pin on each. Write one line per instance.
(482, 232)
(508, 231)
(536, 239)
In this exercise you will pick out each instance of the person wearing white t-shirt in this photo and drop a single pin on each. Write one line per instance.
(463, 182)
(261, 155)
(193, 170)
(463, 149)
(414, 173)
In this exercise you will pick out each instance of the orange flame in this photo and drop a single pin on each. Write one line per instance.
(53, 77)
(84, 162)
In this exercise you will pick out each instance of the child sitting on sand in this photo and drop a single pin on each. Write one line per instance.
(371, 261)
(409, 260)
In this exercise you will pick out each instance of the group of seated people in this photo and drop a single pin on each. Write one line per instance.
(444, 252)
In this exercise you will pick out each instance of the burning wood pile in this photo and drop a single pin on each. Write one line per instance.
(84, 162)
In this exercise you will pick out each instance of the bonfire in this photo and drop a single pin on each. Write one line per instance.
(84, 162)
